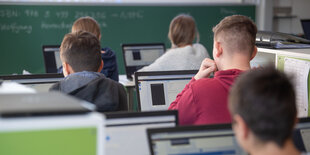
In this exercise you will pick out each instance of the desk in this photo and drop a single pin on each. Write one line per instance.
(130, 86)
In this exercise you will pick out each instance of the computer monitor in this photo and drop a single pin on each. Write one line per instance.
(40, 82)
(189, 140)
(306, 27)
(137, 56)
(301, 135)
(51, 55)
(156, 90)
(57, 135)
(126, 131)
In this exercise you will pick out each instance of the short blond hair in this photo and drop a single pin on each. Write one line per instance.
(182, 30)
(87, 24)
(238, 32)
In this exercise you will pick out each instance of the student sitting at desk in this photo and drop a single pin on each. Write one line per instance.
(184, 55)
(89, 24)
(81, 60)
(263, 107)
(204, 99)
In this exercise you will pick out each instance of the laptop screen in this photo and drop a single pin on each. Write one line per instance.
(51, 56)
(306, 27)
(301, 135)
(156, 90)
(126, 131)
(190, 140)
(137, 56)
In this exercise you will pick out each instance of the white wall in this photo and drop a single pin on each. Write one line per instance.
(300, 9)
(129, 1)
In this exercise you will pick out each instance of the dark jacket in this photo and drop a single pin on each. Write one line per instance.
(109, 69)
(93, 87)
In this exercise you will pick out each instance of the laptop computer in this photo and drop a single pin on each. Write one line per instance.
(41, 104)
(126, 131)
(51, 55)
(301, 135)
(40, 82)
(137, 56)
(306, 27)
(189, 140)
(156, 90)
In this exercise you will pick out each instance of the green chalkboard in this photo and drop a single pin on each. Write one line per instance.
(25, 28)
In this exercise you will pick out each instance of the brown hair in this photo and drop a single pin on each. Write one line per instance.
(238, 31)
(182, 30)
(88, 24)
(81, 50)
(265, 99)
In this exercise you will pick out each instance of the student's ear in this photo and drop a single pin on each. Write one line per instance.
(241, 128)
(219, 48)
(66, 69)
(99, 37)
(100, 67)
(254, 53)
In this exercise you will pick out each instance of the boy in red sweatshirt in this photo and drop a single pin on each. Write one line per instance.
(204, 99)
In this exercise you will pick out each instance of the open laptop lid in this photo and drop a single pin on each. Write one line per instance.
(40, 82)
(51, 55)
(156, 90)
(137, 117)
(306, 27)
(41, 104)
(205, 139)
(137, 56)
(301, 134)
(34, 78)
(126, 131)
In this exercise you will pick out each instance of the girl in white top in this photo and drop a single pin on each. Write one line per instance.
(183, 55)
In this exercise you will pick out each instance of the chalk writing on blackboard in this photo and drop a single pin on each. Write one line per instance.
(228, 11)
(7, 13)
(60, 25)
(16, 28)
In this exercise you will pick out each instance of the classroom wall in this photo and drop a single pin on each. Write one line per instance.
(289, 20)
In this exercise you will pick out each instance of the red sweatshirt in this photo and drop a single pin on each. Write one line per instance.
(204, 101)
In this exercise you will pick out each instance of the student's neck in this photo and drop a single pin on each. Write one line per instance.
(242, 63)
(272, 149)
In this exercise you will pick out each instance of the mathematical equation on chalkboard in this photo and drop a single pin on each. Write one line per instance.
(17, 26)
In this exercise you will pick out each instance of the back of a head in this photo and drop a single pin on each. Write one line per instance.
(182, 30)
(81, 50)
(87, 24)
(236, 33)
(265, 99)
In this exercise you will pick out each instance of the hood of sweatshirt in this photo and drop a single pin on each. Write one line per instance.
(94, 87)
(77, 80)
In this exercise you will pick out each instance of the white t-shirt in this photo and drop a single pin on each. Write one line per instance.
(184, 58)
